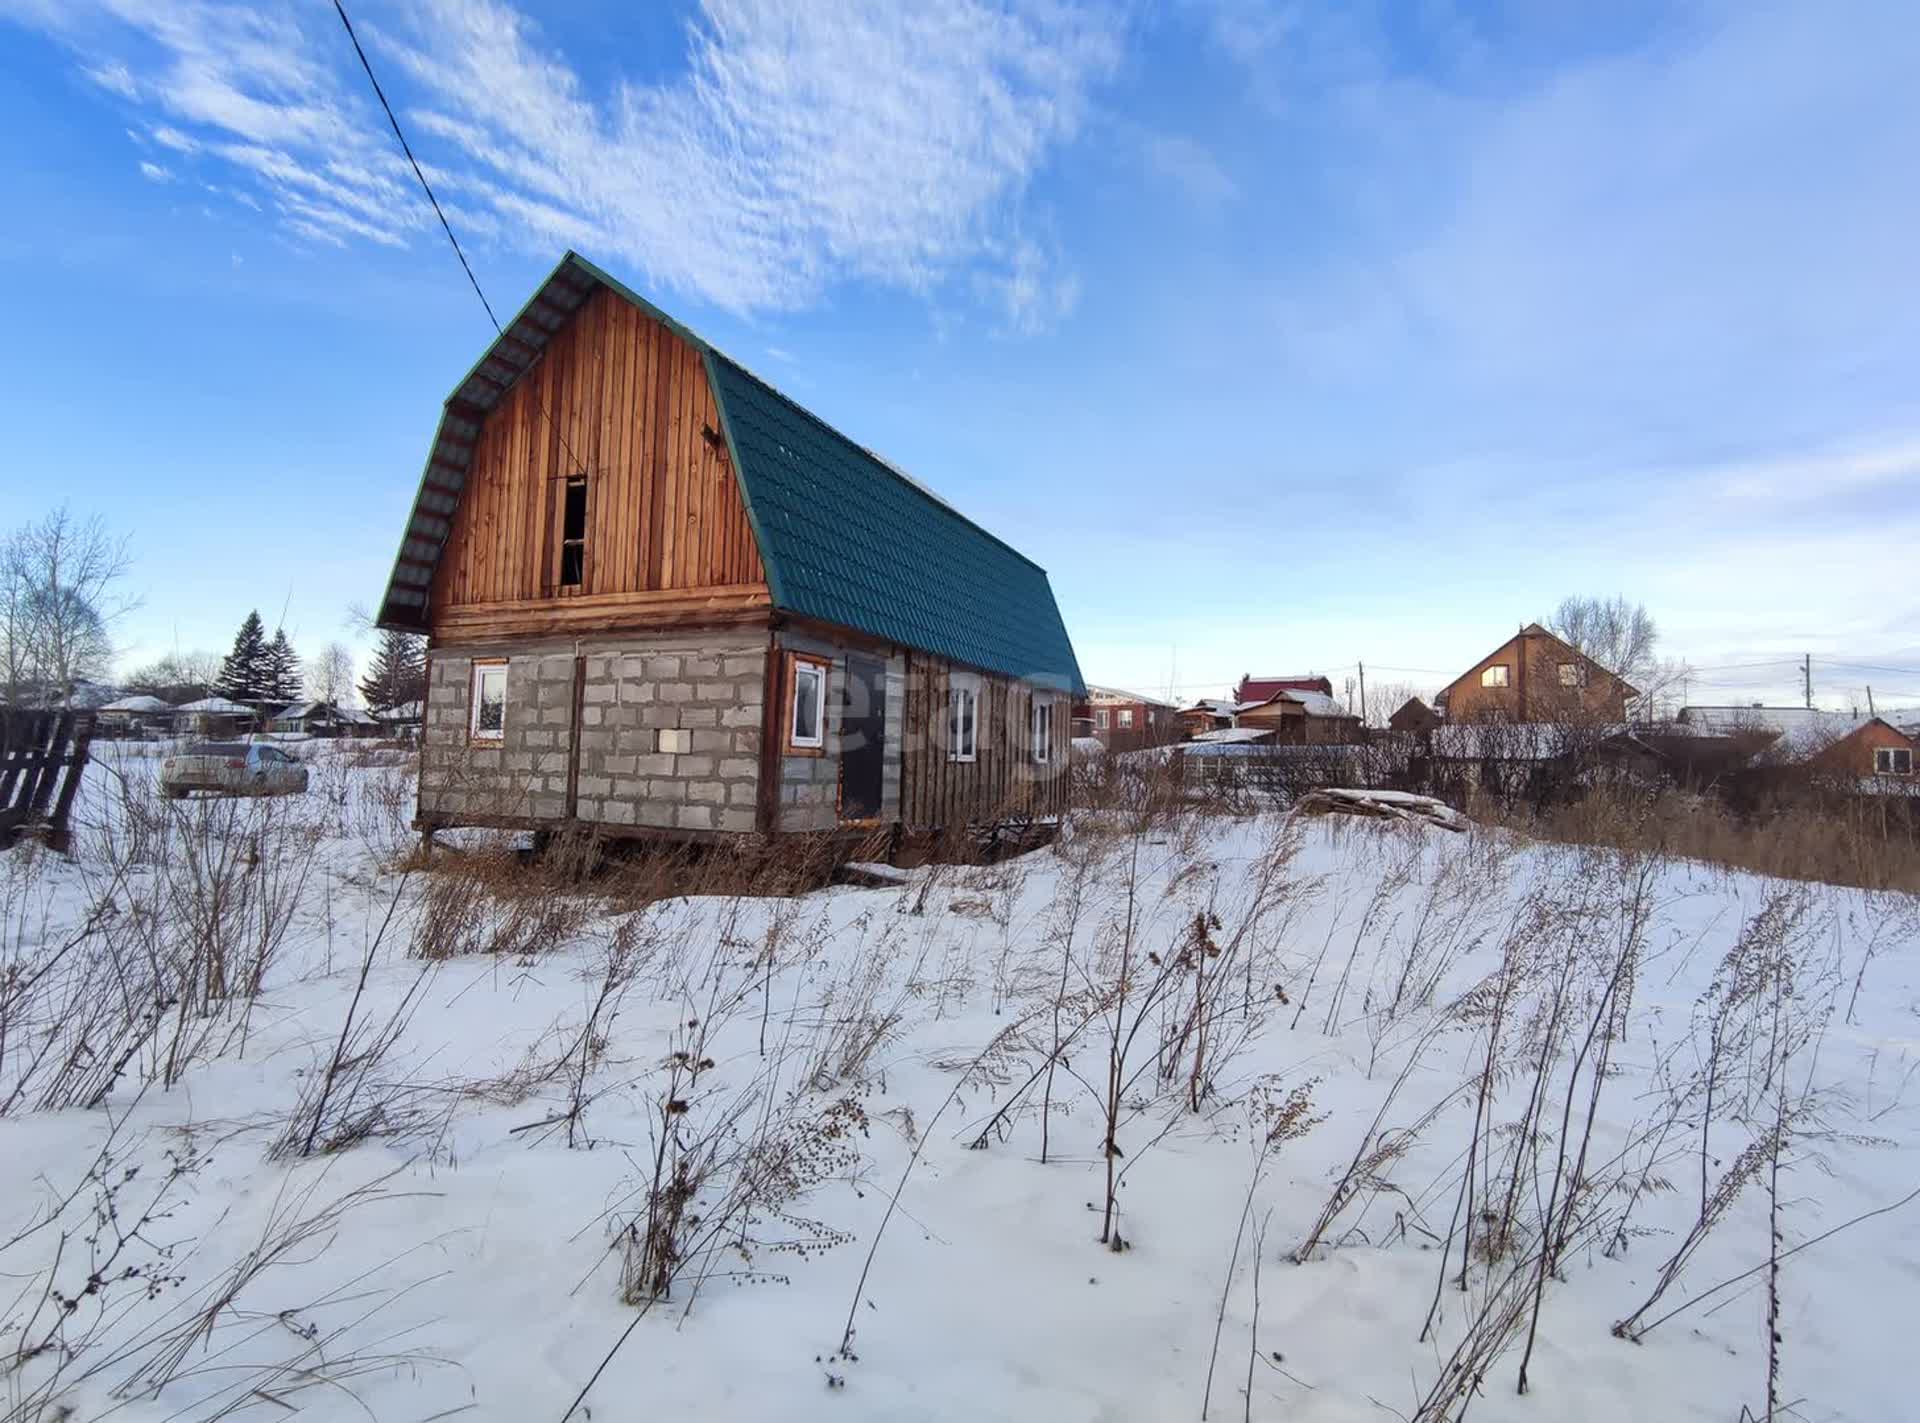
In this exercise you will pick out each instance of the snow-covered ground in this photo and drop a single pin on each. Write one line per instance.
(832, 1064)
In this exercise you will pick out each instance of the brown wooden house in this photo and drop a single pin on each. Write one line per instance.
(1534, 676)
(662, 598)
(1827, 743)
(1302, 718)
(1413, 715)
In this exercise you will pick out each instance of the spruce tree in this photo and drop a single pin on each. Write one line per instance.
(398, 673)
(284, 684)
(243, 676)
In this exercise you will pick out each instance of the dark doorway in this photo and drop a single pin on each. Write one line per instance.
(863, 738)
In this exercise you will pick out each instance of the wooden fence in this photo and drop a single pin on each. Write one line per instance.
(42, 757)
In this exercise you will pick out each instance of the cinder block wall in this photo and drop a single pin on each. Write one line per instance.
(669, 733)
(523, 776)
(810, 785)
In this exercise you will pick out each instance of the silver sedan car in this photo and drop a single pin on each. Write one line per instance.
(232, 768)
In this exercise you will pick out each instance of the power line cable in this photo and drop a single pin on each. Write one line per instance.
(407, 148)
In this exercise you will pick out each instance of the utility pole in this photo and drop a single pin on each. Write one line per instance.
(1870, 710)
(1807, 673)
(1363, 692)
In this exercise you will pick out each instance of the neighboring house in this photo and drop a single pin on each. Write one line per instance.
(1829, 742)
(664, 598)
(1413, 715)
(322, 719)
(1301, 718)
(1534, 676)
(1259, 689)
(401, 723)
(134, 716)
(214, 719)
(1126, 721)
(1207, 714)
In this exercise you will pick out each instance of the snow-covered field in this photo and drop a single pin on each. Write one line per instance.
(1336, 1056)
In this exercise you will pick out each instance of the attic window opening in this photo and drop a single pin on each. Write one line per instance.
(1573, 674)
(1494, 676)
(573, 533)
(1893, 761)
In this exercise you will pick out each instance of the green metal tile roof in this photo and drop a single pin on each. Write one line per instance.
(844, 536)
(848, 539)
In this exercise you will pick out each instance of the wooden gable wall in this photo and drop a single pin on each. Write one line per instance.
(619, 397)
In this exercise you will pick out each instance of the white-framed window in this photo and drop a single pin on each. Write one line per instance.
(963, 716)
(1126, 718)
(807, 707)
(1893, 760)
(1042, 730)
(1102, 718)
(1494, 676)
(487, 708)
(1573, 674)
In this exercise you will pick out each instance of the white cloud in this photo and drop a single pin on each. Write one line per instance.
(156, 173)
(115, 78)
(1190, 167)
(803, 143)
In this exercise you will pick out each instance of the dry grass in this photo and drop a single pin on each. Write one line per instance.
(1863, 842)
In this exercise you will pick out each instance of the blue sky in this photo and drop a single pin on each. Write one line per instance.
(1283, 336)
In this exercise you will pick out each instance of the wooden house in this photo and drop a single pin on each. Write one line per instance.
(1207, 714)
(134, 716)
(215, 719)
(1535, 676)
(662, 598)
(1413, 715)
(1302, 718)
(322, 719)
(1824, 742)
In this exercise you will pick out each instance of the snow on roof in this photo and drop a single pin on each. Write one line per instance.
(406, 711)
(1089, 746)
(215, 704)
(299, 711)
(1316, 703)
(1798, 731)
(1231, 734)
(137, 704)
(1121, 694)
(1217, 705)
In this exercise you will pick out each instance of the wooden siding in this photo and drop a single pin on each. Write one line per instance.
(937, 793)
(622, 399)
(1533, 692)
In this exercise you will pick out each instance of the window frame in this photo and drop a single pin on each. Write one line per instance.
(1101, 718)
(1041, 727)
(476, 672)
(1573, 676)
(1892, 755)
(1505, 680)
(968, 685)
(815, 745)
(1126, 718)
